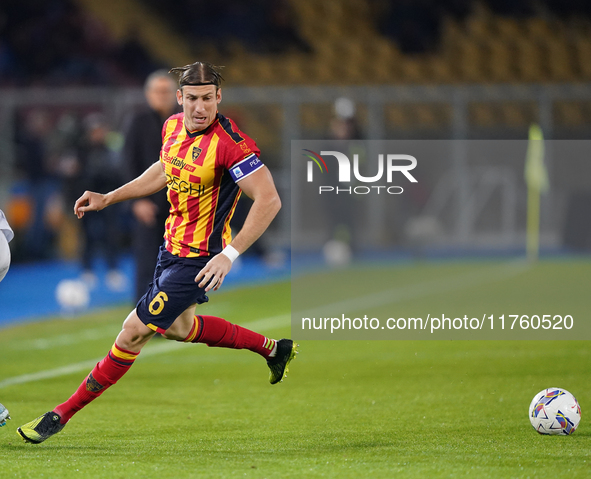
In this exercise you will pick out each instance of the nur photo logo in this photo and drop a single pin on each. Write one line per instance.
(315, 159)
(390, 164)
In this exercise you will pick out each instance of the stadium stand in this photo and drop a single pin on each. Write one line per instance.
(263, 42)
(60, 44)
(377, 42)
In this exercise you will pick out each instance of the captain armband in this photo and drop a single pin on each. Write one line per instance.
(245, 167)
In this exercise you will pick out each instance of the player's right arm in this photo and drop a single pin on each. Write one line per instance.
(148, 183)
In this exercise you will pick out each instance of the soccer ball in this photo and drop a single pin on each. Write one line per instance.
(72, 294)
(337, 253)
(554, 411)
(3, 415)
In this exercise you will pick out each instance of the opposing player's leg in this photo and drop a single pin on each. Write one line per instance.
(107, 372)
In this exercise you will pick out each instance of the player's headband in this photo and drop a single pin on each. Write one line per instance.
(196, 83)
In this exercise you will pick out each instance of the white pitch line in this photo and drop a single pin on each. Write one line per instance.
(52, 342)
(48, 373)
(261, 324)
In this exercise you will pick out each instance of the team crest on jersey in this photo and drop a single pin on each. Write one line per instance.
(196, 152)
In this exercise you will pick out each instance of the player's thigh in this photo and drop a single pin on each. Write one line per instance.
(182, 325)
(172, 293)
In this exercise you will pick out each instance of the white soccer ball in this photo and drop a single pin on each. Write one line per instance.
(4, 256)
(72, 294)
(554, 411)
(337, 253)
(3, 415)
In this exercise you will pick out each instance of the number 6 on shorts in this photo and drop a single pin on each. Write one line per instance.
(157, 304)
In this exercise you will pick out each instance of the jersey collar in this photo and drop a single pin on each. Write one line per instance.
(195, 134)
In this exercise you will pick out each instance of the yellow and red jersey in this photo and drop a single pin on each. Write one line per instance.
(202, 170)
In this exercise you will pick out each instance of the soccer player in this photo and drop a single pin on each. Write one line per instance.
(205, 162)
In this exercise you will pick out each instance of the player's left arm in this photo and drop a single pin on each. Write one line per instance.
(259, 187)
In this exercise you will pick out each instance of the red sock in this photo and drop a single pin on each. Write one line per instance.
(106, 373)
(217, 332)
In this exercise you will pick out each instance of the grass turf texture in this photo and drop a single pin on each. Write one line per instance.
(348, 408)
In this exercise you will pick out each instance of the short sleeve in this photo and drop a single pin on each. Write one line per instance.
(241, 153)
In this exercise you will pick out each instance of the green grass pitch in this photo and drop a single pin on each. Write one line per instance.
(411, 409)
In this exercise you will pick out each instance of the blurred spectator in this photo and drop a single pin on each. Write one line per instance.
(343, 210)
(344, 125)
(63, 147)
(143, 140)
(63, 150)
(39, 183)
(100, 170)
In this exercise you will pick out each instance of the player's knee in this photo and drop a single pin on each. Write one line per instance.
(134, 333)
(169, 335)
(174, 334)
(132, 341)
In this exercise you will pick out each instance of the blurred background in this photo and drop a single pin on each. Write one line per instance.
(72, 74)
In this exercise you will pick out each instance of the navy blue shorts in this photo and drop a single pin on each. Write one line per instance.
(172, 290)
